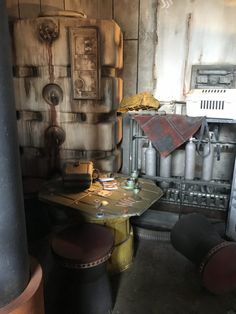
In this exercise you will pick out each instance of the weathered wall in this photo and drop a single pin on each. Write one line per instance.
(45, 64)
(188, 32)
(192, 32)
(137, 19)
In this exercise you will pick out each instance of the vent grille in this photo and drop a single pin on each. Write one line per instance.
(212, 104)
(218, 91)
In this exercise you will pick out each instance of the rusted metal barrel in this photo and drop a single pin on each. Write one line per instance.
(197, 239)
(14, 263)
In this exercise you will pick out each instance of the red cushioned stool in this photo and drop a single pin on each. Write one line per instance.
(82, 251)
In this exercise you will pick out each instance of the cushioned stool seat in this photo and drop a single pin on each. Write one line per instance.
(82, 251)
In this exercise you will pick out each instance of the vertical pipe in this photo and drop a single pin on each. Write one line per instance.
(14, 264)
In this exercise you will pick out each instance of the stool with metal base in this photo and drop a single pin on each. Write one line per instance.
(82, 251)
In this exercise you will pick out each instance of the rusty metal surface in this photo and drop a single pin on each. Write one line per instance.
(31, 299)
(121, 202)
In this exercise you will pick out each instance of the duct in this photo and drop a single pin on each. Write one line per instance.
(14, 264)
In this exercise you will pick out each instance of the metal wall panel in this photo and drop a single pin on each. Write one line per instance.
(192, 32)
(147, 44)
(29, 8)
(130, 67)
(12, 9)
(126, 14)
(42, 74)
(47, 5)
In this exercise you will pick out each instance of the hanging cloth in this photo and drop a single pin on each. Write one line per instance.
(170, 131)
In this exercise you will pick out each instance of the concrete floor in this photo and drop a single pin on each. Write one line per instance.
(161, 281)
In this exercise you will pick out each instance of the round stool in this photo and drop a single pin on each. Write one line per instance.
(122, 254)
(198, 240)
(82, 251)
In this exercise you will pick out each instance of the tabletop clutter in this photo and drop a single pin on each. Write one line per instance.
(105, 195)
(108, 199)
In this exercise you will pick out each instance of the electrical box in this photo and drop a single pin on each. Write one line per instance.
(212, 103)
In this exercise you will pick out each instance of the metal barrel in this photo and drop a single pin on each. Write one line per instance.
(198, 240)
(14, 262)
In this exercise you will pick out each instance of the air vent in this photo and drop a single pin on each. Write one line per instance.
(212, 103)
(219, 91)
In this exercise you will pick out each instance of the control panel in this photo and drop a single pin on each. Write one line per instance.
(85, 62)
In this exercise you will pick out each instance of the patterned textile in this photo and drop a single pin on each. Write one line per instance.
(170, 131)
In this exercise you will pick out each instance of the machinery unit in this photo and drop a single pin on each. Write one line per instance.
(212, 103)
(193, 175)
(67, 88)
(201, 173)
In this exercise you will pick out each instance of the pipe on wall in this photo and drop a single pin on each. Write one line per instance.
(14, 262)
